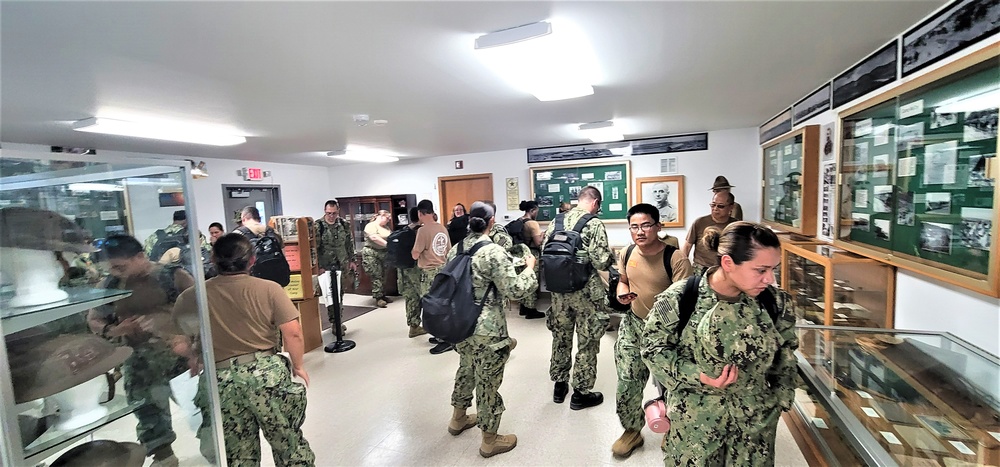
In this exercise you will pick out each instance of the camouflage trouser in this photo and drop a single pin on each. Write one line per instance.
(409, 288)
(530, 300)
(481, 363)
(205, 436)
(374, 263)
(261, 396)
(576, 311)
(426, 277)
(632, 373)
(709, 430)
(146, 375)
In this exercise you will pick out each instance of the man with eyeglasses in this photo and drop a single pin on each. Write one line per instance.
(644, 274)
(334, 246)
(722, 208)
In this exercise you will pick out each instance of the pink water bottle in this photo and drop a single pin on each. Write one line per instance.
(656, 416)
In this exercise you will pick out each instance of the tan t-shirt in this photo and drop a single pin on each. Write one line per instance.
(244, 312)
(374, 229)
(702, 255)
(531, 228)
(647, 277)
(432, 244)
(149, 299)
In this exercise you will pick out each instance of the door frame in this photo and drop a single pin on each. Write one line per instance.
(453, 178)
(275, 197)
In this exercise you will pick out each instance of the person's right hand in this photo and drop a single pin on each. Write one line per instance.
(301, 373)
(529, 261)
(127, 327)
(728, 376)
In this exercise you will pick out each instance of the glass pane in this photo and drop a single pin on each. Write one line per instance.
(805, 279)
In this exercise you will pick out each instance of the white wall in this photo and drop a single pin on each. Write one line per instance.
(732, 153)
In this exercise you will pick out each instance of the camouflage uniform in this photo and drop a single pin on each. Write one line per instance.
(409, 288)
(146, 376)
(735, 425)
(170, 230)
(373, 260)
(632, 373)
(335, 250)
(483, 356)
(500, 236)
(584, 310)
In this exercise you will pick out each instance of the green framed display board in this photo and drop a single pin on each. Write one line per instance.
(791, 181)
(918, 171)
(553, 185)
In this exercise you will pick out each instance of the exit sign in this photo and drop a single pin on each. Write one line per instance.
(253, 174)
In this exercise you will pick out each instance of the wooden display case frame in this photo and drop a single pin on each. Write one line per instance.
(988, 284)
(808, 181)
(305, 296)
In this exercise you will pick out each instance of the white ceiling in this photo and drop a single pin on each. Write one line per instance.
(290, 75)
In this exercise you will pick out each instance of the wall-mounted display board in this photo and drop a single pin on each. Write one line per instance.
(917, 175)
(551, 186)
(790, 185)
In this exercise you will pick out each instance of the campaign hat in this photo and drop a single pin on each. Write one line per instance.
(40, 229)
(721, 183)
(103, 453)
(58, 363)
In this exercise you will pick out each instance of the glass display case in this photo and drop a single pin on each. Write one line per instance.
(790, 184)
(791, 237)
(74, 368)
(917, 175)
(831, 286)
(891, 397)
(358, 211)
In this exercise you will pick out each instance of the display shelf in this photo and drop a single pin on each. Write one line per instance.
(790, 183)
(52, 440)
(80, 299)
(899, 397)
(831, 286)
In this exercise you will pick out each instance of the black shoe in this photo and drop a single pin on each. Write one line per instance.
(560, 391)
(434, 340)
(523, 310)
(582, 401)
(442, 348)
(532, 313)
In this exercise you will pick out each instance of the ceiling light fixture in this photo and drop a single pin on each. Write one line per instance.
(602, 132)
(363, 154)
(182, 132)
(551, 60)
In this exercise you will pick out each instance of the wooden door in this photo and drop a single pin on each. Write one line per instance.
(463, 189)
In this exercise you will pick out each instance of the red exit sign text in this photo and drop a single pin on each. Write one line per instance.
(253, 174)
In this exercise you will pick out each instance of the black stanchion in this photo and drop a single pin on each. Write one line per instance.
(340, 344)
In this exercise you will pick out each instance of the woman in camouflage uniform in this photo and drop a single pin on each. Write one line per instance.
(729, 419)
(483, 356)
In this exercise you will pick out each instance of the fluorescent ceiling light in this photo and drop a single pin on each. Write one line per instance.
(602, 132)
(95, 187)
(552, 61)
(186, 133)
(970, 103)
(364, 154)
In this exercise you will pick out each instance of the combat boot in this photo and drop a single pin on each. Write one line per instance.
(387, 299)
(628, 442)
(417, 331)
(494, 444)
(513, 343)
(460, 421)
(559, 392)
(381, 303)
(582, 401)
(531, 313)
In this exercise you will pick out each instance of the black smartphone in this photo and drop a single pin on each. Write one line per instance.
(627, 295)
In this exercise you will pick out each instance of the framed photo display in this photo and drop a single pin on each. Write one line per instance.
(954, 28)
(875, 71)
(776, 126)
(917, 175)
(554, 185)
(791, 168)
(667, 194)
(811, 105)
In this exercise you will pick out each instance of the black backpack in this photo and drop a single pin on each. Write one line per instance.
(614, 276)
(515, 229)
(399, 248)
(689, 299)
(270, 261)
(562, 268)
(450, 310)
(179, 240)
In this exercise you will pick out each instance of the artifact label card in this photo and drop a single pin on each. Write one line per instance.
(911, 109)
(864, 127)
(890, 437)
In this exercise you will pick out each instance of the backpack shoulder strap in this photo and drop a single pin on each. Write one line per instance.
(668, 253)
(246, 232)
(321, 226)
(628, 253)
(560, 222)
(472, 251)
(767, 300)
(582, 222)
(168, 283)
(687, 302)
(160, 233)
(475, 247)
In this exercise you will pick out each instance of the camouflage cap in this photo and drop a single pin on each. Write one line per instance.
(726, 337)
(64, 361)
(39, 229)
(103, 453)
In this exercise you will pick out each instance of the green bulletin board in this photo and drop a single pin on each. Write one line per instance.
(553, 185)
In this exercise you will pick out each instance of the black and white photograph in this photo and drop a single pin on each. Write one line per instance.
(881, 134)
(826, 139)
(940, 163)
(952, 29)
(776, 126)
(908, 136)
(883, 198)
(861, 221)
(880, 167)
(667, 194)
(613, 175)
(578, 152)
(574, 191)
(940, 120)
(976, 225)
(287, 228)
(875, 71)
(937, 203)
(826, 214)
(861, 152)
(981, 124)
(904, 208)
(977, 172)
(935, 237)
(811, 105)
(544, 201)
(665, 144)
(881, 229)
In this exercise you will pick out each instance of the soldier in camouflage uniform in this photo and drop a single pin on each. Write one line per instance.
(483, 356)
(179, 224)
(334, 246)
(729, 419)
(409, 286)
(430, 250)
(137, 321)
(373, 255)
(256, 391)
(584, 310)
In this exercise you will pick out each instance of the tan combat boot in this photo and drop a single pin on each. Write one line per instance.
(417, 331)
(460, 422)
(628, 442)
(513, 343)
(494, 444)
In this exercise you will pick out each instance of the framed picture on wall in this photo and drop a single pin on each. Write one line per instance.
(962, 24)
(667, 194)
